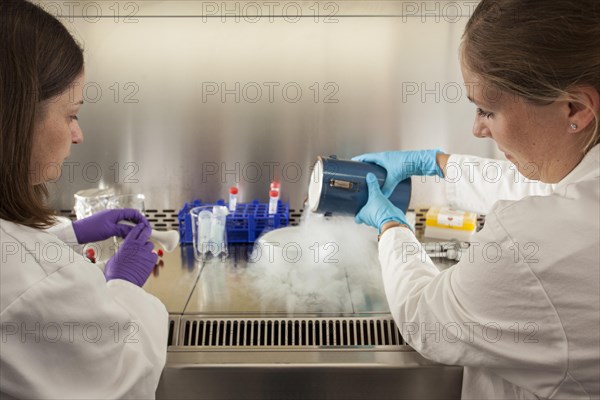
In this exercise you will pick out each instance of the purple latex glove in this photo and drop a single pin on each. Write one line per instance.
(134, 261)
(105, 224)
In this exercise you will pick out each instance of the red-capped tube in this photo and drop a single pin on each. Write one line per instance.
(233, 194)
(273, 200)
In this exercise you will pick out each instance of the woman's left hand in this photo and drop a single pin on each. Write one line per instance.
(378, 209)
(105, 224)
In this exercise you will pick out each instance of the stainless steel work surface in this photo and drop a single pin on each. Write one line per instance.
(230, 287)
(237, 285)
(174, 278)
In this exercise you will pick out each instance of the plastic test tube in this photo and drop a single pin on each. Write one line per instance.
(204, 231)
(233, 193)
(273, 200)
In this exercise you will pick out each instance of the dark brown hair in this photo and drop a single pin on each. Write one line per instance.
(39, 59)
(536, 49)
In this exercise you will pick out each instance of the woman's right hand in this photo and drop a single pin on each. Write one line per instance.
(378, 210)
(134, 261)
(401, 165)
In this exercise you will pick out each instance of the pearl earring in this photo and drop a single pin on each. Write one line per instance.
(573, 126)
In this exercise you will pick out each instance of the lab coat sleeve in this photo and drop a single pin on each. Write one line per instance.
(72, 335)
(489, 310)
(475, 184)
(65, 232)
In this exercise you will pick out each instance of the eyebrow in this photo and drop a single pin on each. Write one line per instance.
(477, 103)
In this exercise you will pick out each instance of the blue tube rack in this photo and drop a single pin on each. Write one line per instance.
(244, 225)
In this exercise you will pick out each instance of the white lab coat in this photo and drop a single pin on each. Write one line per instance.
(66, 332)
(521, 311)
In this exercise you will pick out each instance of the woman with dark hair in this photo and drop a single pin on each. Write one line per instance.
(521, 310)
(68, 329)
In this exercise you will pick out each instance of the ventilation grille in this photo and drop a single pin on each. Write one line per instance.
(163, 220)
(174, 322)
(295, 333)
(68, 214)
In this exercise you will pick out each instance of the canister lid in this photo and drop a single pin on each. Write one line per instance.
(315, 186)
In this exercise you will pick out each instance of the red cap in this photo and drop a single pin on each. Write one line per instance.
(274, 193)
(233, 190)
(275, 185)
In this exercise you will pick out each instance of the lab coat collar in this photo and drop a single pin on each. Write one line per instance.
(588, 168)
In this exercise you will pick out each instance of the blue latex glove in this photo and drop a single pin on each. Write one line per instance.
(403, 164)
(378, 209)
(105, 224)
(134, 261)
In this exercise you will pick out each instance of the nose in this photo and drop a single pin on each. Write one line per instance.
(480, 130)
(76, 134)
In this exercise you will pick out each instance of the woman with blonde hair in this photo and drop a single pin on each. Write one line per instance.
(521, 311)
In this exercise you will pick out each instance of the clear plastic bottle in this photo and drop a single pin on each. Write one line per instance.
(273, 200)
(233, 197)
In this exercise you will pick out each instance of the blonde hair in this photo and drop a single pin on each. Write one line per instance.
(539, 50)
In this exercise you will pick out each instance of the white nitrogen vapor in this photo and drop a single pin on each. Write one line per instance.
(326, 264)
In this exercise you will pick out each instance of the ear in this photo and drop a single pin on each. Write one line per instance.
(584, 100)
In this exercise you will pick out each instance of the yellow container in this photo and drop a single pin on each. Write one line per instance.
(449, 223)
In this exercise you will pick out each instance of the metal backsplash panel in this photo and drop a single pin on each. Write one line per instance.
(184, 98)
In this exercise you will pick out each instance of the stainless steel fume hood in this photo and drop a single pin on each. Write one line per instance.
(374, 75)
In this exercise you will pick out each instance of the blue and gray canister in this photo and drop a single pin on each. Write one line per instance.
(340, 186)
